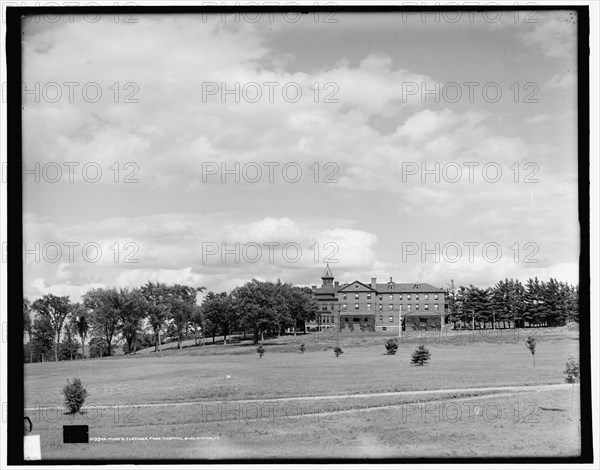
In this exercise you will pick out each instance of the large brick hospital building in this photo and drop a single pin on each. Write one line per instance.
(374, 306)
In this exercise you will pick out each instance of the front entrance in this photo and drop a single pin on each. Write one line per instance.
(357, 323)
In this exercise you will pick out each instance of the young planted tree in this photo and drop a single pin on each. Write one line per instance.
(420, 356)
(302, 348)
(75, 394)
(260, 350)
(391, 346)
(337, 351)
(572, 375)
(531, 344)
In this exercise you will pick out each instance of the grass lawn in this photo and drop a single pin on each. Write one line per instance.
(368, 427)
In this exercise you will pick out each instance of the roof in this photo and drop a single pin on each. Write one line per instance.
(327, 273)
(397, 287)
(422, 313)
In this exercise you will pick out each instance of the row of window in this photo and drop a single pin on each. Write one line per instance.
(390, 307)
(391, 296)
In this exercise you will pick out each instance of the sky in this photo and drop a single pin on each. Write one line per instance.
(208, 150)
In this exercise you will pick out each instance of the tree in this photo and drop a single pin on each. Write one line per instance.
(453, 304)
(132, 308)
(27, 325)
(56, 310)
(420, 356)
(260, 306)
(391, 346)
(337, 351)
(104, 313)
(182, 300)
(219, 313)
(79, 321)
(531, 344)
(260, 350)
(42, 337)
(159, 308)
(69, 347)
(27, 317)
(197, 322)
(302, 306)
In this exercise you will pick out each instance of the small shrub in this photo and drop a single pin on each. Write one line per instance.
(572, 371)
(337, 351)
(260, 350)
(302, 348)
(391, 345)
(420, 356)
(75, 395)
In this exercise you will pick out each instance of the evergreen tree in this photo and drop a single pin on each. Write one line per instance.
(420, 356)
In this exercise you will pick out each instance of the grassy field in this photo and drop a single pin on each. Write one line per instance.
(217, 425)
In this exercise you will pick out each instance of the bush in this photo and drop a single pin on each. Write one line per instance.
(75, 395)
(337, 351)
(302, 348)
(260, 350)
(420, 356)
(391, 345)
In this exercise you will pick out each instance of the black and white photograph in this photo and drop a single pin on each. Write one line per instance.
(309, 233)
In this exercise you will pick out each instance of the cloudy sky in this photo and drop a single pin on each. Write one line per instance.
(326, 123)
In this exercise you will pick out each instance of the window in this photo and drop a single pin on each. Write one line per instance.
(426, 307)
(391, 306)
(391, 319)
(356, 306)
(391, 297)
(416, 306)
(380, 307)
(426, 296)
(344, 307)
(416, 296)
(380, 318)
(324, 307)
(356, 286)
(369, 296)
(436, 307)
(391, 286)
(400, 297)
(408, 307)
(380, 297)
(356, 296)
(344, 296)
(368, 306)
(436, 297)
(383, 328)
(407, 296)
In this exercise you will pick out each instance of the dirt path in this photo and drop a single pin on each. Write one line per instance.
(414, 393)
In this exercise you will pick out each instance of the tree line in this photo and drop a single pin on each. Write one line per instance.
(509, 303)
(140, 317)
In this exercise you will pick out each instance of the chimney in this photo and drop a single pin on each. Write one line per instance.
(390, 278)
(314, 287)
(374, 283)
(337, 285)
